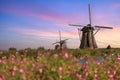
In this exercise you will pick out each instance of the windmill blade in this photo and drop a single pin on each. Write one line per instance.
(89, 9)
(79, 33)
(55, 43)
(75, 25)
(97, 31)
(60, 35)
(103, 27)
(65, 39)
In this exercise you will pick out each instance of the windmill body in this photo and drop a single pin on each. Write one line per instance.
(88, 40)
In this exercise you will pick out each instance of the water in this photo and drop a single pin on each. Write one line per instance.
(99, 59)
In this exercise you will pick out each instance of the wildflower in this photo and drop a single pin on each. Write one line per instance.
(4, 57)
(17, 52)
(95, 71)
(13, 73)
(75, 59)
(55, 55)
(98, 63)
(38, 79)
(115, 66)
(60, 68)
(1, 52)
(86, 73)
(21, 70)
(66, 55)
(41, 70)
(1, 78)
(118, 58)
(111, 76)
(0, 61)
(79, 76)
(95, 75)
(33, 65)
(108, 71)
(114, 72)
(14, 68)
(60, 76)
(86, 62)
(112, 54)
(12, 59)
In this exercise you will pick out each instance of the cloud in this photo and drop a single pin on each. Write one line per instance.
(116, 5)
(111, 37)
(39, 12)
(43, 34)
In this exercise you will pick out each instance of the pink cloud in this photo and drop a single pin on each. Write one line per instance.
(116, 5)
(51, 15)
(111, 37)
(44, 34)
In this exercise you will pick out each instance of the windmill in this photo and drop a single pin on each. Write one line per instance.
(61, 43)
(88, 39)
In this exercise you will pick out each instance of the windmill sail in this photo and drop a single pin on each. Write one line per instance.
(89, 13)
(75, 25)
(103, 27)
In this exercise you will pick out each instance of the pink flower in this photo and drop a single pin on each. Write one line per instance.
(66, 55)
(118, 58)
(98, 63)
(41, 70)
(95, 71)
(1, 78)
(17, 52)
(79, 76)
(33, 65)
(114, 72)
(111, 75)
(13, 73)
(1, 52)
(38, 79)
(21, 70)
(86, 73)
(60, 68)
(108, 72)
(86, 62)
(55, 55)
(14, 68)
(96, 75)
(112, 54)
(0, 61)
(60, 76)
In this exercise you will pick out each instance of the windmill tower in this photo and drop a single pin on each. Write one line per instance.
(88, 39)
(61, 44)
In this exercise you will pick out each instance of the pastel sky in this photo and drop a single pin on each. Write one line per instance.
(35, 23)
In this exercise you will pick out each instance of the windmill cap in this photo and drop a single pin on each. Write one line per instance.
(89, 25)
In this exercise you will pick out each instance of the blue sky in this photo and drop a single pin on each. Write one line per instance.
(34, 23)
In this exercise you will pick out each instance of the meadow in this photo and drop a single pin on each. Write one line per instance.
(41, 64)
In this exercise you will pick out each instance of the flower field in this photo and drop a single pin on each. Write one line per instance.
(34, 64)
